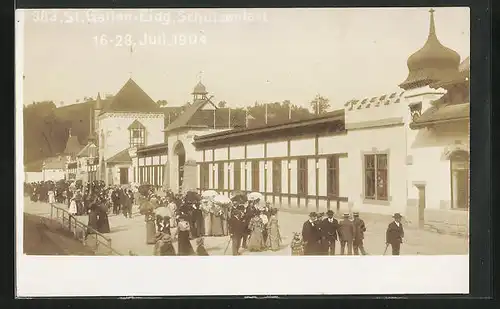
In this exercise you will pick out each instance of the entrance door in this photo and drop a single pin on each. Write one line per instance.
(460, 179)
(123, 176)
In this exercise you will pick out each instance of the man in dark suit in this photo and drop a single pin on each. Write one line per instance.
(311, 235)
(329, 229)
(395, 233)
(346, 233)
(237, 230)
(359, 234)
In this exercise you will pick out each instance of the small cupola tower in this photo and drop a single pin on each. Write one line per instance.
(199, 92)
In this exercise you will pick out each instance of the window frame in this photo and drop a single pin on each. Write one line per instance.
(376, 197)
(139, 141)
(277, 175)
(237, 175)
(332, 189)
(302, 173)
(255, 170)
(220, 175)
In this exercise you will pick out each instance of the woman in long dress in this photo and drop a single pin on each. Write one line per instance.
(273, 231)
(72, 207)
(52, 198)
(93, 217)
(103, 221)
(256, 240)
(216, 219)
(183, 242)
(207, 224)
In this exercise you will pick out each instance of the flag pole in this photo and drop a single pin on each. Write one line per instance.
(289, 111)
(265, 105)
(229, 117)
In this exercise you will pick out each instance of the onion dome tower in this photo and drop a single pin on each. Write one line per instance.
(433, 63)
(199, 92)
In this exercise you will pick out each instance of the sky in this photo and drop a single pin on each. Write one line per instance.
(242, 56)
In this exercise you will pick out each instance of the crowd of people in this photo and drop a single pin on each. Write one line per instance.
(251, 223)
(94, 199)
(320, 234)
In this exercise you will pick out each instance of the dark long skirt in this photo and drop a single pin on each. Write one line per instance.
(92, 224)
(185, 247)
(150, 232)
(103, 222)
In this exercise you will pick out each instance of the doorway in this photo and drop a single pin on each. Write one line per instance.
(460, 189)
(180, 154)
(123, 175)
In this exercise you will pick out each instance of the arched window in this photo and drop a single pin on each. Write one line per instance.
(459, 166)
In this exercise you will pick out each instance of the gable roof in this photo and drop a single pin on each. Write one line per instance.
(85, 152)
(131, 98)
(184, 119)
(73, 146)
(136, 125)
(452, 112)
(121, 157)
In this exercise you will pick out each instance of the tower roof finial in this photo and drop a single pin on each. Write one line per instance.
(432, 28)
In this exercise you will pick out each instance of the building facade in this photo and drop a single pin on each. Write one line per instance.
(378, 162)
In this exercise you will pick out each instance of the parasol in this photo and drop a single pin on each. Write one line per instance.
(209, 194)
(255, 196)
(222, 200)
(162, 211)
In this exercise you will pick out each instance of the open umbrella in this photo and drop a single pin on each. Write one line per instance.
(222, 200)
(255, 196)
(209, 194)
(162, 211)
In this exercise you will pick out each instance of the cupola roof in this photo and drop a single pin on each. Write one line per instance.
(432, 63)
(200, 89)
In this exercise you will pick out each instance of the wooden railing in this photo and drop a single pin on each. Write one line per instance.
(91, 238)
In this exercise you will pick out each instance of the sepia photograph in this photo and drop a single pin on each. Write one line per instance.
(320, 132)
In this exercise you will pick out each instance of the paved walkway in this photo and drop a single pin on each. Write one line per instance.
(129, 234)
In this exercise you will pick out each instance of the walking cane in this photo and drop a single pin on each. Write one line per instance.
(386, 246)
(228, 242)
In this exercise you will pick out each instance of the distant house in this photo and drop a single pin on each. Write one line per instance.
(54, 168)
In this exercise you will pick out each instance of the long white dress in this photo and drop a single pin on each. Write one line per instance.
(72, 207)
(52, 198)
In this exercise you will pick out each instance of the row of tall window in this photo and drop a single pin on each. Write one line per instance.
(302, 178)
(375, 171)
(150, 174)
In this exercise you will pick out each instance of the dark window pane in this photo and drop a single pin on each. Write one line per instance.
(370, 184)
(221, 176)
(276, 176)
(237, 175)
(382, 184)
(369, 161)
(382, 161)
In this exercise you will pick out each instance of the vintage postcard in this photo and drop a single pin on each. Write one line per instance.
(338, 137)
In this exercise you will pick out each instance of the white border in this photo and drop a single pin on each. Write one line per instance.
(174, 276)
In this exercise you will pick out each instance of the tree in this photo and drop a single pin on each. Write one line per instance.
(320, 105)
(162, 103)
(222, 104)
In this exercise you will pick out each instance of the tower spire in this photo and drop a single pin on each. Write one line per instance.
(432, 28)
(131, 51)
